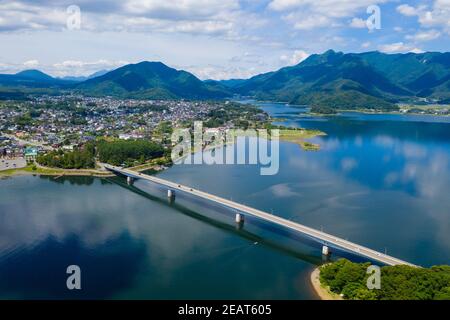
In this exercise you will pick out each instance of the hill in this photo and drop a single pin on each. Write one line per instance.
(32, 79)
(151, 80)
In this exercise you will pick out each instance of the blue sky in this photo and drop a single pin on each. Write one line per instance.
(217, 39)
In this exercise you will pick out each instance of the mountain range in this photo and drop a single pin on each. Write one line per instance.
(350, 81)
(84, 78)
(328, 81)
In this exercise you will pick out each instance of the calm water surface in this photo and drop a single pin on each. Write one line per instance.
(379, 180)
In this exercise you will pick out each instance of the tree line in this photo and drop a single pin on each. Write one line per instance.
(83, 158)
(127, 153)
(398, 282)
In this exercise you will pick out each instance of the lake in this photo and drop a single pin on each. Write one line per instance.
(379, 180)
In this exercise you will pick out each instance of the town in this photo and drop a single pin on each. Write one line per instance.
(44, 124)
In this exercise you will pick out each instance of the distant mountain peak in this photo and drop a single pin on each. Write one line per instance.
(331, 52)
(151, 80)
(34, 74)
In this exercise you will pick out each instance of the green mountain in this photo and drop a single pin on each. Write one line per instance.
(151, 80)
(31, 79)
(374, 80)
(34, 75)
(427, 74)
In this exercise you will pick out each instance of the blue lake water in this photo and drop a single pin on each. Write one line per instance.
(378, 180)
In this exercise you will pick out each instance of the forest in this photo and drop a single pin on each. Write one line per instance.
(127, 153)
(119, 152)
(83, 158)
(398, 282)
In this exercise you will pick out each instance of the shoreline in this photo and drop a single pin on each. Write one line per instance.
(58, 172)
(369, 112)
(364, 111)
(53, 172)
(322, 292)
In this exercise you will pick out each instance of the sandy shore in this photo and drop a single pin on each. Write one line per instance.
(322, 292)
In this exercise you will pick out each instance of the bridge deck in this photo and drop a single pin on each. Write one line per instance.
(325, 238)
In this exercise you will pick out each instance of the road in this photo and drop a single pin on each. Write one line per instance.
(6, 164)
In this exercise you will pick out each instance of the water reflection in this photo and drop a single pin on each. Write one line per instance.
(38, 271)
(391, 170)
(132, 245)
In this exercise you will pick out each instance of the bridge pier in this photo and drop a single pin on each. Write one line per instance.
(130, 180)
(171, 194)
(326, 251)
(239, 219)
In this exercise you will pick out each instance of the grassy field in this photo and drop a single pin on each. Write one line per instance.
(298, 136)
(32, 169)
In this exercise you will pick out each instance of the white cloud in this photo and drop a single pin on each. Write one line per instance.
(365, 45)
(184, 16)
(309, 14)
(438, 16)
(221, 72)
(301, 22)
(434, 16)
(82, 68)
(358, 23)
(398, 47)
(296, 57)
(19, 16)
(407, 10)
(417, 50)
(331, 8)
(185, 9)
(424, 35)
(31, 63)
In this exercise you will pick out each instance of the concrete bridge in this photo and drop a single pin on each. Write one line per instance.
(327, 240)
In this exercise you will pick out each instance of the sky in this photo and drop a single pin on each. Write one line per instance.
(214, 39)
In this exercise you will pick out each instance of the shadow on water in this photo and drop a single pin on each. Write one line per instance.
(39, 271)
(233, 229)
(73, 180)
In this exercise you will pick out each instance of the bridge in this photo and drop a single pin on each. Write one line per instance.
(327, 240)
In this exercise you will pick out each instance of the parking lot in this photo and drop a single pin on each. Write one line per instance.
(6, 164)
